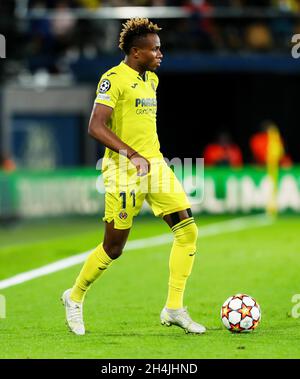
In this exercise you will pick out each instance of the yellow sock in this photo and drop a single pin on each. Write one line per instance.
(181, 260)
(96, 263)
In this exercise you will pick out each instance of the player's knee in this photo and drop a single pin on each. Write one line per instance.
(113, 250)
(187, 234)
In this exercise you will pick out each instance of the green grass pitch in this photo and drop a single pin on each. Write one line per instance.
(122, 308)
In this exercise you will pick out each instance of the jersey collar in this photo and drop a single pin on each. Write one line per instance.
(131, 71)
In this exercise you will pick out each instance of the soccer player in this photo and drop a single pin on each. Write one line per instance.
(124, 120)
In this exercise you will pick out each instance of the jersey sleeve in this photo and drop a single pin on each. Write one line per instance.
(108, 90)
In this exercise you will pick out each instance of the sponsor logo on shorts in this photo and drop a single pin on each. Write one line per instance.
(123, 215)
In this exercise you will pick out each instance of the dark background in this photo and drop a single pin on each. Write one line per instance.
(192, 108)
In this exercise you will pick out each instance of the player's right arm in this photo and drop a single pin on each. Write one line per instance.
(99, 130)
(107, 97)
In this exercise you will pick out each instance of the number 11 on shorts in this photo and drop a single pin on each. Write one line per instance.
(123, 195)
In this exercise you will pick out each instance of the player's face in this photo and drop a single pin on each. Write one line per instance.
(149, 53)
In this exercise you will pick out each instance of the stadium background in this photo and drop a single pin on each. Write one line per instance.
(227, 68)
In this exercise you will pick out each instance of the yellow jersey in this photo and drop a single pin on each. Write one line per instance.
(134, 109)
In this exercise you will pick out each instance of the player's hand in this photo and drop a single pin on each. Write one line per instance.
(141, 164)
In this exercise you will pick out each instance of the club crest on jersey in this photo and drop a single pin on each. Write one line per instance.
(104, 86)
(123, 215)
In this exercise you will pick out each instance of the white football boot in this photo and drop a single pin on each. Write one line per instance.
(181, 318)
(73, 314)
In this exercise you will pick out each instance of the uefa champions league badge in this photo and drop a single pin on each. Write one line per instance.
(104, 86)
(123, 215)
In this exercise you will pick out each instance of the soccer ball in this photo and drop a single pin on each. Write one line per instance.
(240, 313)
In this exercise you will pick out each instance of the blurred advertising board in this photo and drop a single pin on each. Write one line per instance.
(30, 194)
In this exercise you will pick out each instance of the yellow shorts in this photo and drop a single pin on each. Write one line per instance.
(160, 188)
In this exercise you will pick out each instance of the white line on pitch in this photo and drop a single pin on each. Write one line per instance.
(228, 226)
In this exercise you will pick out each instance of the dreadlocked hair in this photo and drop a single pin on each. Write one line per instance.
(135, 28)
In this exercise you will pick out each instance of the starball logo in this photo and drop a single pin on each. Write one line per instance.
(2, 46)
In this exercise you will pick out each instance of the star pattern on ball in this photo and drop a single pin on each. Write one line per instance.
(255, 323)
(245, 311)
(235, 328)
(225, 311)
(239, 296)
(238, 314)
